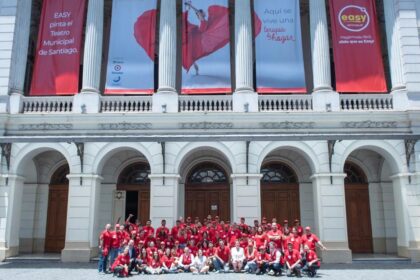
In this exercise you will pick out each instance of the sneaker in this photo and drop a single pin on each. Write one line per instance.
(271, 273)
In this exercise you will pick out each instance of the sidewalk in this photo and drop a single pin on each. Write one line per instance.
(44, 270)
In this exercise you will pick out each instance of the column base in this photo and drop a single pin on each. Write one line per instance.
(403, 251)
(165, 102)
(414, 255)
(87, 103)
(325, 101)
(400, 99)
(335, 255)
(8, 252)
(245, 101)
(76, 252)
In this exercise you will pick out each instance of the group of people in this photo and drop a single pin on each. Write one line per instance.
(210, 245)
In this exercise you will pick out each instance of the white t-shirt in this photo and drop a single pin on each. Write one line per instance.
(200, 262)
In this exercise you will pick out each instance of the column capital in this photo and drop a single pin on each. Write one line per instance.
(244, 175)
(327, 175)
(401, 175)
(160, 176)
(84, 175)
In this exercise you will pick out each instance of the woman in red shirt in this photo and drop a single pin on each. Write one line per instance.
(260, 238)
(167, 261)
(310, 261)
(120, 265)
(251, 258)
(262, 259)
(141, 261)
(154, 265)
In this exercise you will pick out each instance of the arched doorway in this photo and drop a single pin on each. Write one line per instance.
(279, 192)
(207, 192)
(359, 226)
(134, 180)
(57, 210)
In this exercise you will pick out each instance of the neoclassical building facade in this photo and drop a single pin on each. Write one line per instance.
(348, 165)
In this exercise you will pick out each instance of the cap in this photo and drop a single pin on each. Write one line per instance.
(177, 242)
(264, 218)
(308, 228)
(262, 248)
(285, 221)
(141, 242)
(162, 243)
(117, 225)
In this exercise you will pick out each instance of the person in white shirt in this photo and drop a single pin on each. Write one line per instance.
(186, 260)
(238, 256)
(200, 264)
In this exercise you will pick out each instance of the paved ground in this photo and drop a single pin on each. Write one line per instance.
(55, 270)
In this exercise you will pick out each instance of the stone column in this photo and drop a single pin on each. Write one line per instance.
(166, 99)
(246, 197)
(82, 218)
(10, 216)
(244, 97)
(19, 55)
(395, 56)
(92, 60)
(330, 216)
(325, 99)
(164, 198)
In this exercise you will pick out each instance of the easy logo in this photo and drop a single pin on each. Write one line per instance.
(354, 18)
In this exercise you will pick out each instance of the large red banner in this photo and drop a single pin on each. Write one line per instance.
(56, 70)
(357, 49)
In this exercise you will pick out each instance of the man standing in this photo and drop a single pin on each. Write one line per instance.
(275, 235)
(104, 248)
(311, 240)
(162, 232)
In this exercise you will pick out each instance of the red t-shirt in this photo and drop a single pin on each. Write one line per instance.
(154, 263)
(262, 257)
(250, 256)
(224, 253)
(162, 233)
(120, 260)
(115, 239)
(106, 237)
(291, 257)
(210, 252)
(275, 234)
(260, 240)
(187, 259)
(296, 241)
(310, 240)
(310, 256)
(167, 260)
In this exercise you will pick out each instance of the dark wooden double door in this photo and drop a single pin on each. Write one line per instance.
(202, 199)
(56, 218)
(281, 201)
(137, 201)
(359, 228)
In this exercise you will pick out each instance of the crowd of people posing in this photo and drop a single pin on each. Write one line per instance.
(211, 245)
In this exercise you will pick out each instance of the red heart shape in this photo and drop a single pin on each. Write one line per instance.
(145, 32)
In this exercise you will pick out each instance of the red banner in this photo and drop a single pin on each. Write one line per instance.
(57, 61)
(357, 49)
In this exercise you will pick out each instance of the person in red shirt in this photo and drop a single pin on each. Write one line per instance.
(167, 261)
(262, 259)
(175, 229)
(310, 261)
(295, 239)
(120, 265)
(148, 228)
(250, 257)
(275, 235)
(162, 232)
(298, 227)
(115, 244)
(154, 265)
(141, 261)
(293, 261)
(275, 261)
(186, 260)
(104, 248)
(260, 238)
(222, 258)
(161, 249)
(311, 240)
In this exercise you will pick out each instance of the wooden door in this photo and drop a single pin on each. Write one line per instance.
(359, 227)
(280, 201)
(202, 199)
(143, 201)
(56, 218)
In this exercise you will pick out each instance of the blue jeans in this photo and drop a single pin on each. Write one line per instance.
(219, 266)
(276, 267)
(250, 267)
(113, 254)
(103, 261)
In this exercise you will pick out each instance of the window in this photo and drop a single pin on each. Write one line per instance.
(278, 173)
(135, 174)
(209, 173)
(60, 175)
(355, 175)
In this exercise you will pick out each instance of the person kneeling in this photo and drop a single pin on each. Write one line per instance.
(200, 264)
(120, 265)
(310, 261)
(293, 261)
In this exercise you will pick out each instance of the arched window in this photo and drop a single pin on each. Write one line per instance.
(355, 174)
(60, 175)
(135, 174)
(278, 173)
(207, 173)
